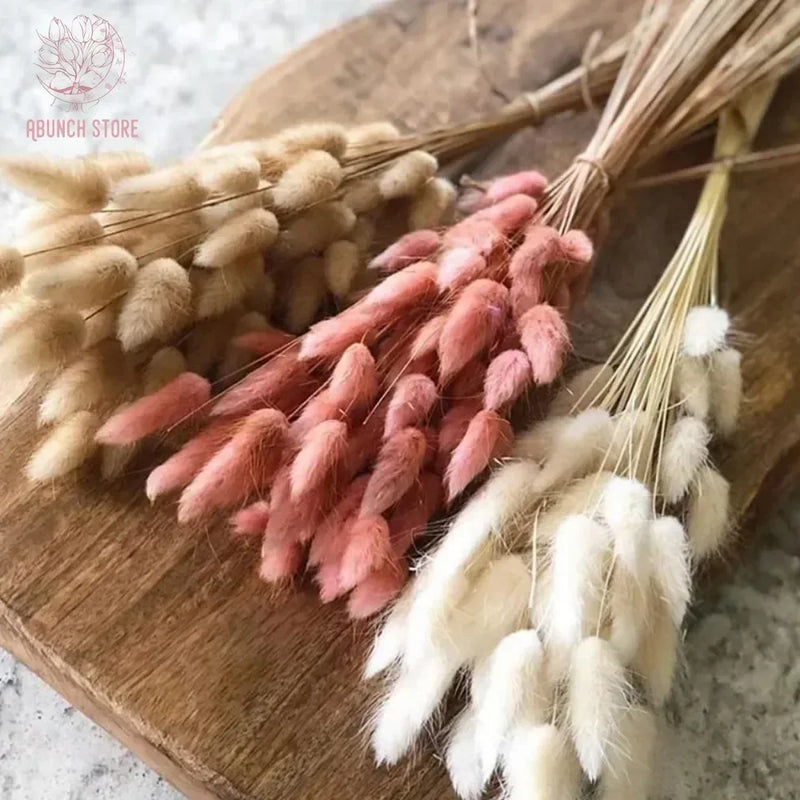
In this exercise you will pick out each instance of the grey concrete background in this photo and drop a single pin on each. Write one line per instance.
(732, 730)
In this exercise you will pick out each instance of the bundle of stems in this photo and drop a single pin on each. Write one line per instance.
(561, 587)
(126, 277)
(381, 415)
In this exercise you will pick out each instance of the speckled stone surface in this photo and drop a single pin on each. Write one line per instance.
(732, 730)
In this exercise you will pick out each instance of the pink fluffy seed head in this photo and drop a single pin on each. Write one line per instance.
(458, 266)
(511, 214)
(329, 338)
(508, 376)
(478, 235)
(489, 436)
(412, 287)
(330, 540)
(529, 182)
(354, 381)
(472, 326)
(293, 521)
(412, 401)
(427, 339)
(178, 470)
(576, 248)
(327, 579)
(545, 339)
(368, 549)
(377, 590)
(527, 290)
(399, 463)
(454, 425)
(247, 462)
(539, 247)
(262, 343)
(180, 398)
(415, 509)
(415, 246)
(251, 520)
(283, 382)
(324, 448)
(365, 442)
(280, 562)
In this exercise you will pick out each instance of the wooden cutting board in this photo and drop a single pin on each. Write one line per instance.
(163, 634)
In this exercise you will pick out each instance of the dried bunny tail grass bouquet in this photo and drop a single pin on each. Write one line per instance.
(561, 587)
(126, 277)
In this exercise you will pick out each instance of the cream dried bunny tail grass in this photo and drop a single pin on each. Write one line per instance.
(68, 446)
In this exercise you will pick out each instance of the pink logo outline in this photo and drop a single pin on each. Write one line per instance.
(81, 63)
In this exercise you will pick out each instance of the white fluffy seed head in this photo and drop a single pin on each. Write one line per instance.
(704, 330)
(92, 278)
(170, 188)
(432, 205)
(157, 306)
(581, 390)
(407, 174)
(580, 554)
(726, 389)
(314, 177)
(66, 448)
(78, 184)
(597, 698)
(387, 646)
(692, 387)
(684, 453)
(658, 654)
(538, 442)
(461, 757)
(629, 602)
(708, 515)
(516, 690)
(342, 263)
(539, 762)
(246, 233)
(408, 705)
(629, 771)
(671, 565)
(627, 509)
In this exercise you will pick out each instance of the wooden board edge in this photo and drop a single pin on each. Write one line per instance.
(180, 770)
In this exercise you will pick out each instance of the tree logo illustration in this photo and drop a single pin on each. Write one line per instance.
(80, 63)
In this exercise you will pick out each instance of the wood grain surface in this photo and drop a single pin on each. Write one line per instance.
(163, 634)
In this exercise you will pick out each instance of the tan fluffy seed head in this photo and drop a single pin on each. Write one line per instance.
(314, 177)
(327, 136)
(692, 385)
(363, 195)
(76, 183)
(208, 339)
(249, 232)
(91, 278)
(314, 230)
(122, 163)
(158, 304)
(237, 172)
(371, 133)
(342, 264)
(69, 230)
(432, 205)
(407, 174)
(166, 364)
(66, 448)
(304, 295)
(708, 518)
(684, 452)
(96, 379)
(726, 389)
(101, 324)
(11, 267)
(220, 290)
(170, 188)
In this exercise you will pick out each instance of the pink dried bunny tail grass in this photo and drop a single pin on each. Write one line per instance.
(354, 381)
(263, 343)
(511, 214)
(378, 589)
(415, 246)
(473, 325)
(368, 549)
(173, 403)
(329, 338)
(246, 463)
(412, 402)
(489, 436)
(280, 561)
(324, 448)
(178, 470)
(529, 182)
(459, 266)
(414, 511)
(545, 339)
(399, 463)
(251, 520)
(331, 539)
(507, 378)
